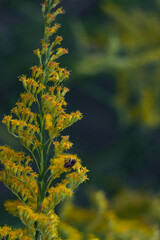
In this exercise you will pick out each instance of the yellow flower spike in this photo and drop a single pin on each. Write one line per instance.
(38, 132)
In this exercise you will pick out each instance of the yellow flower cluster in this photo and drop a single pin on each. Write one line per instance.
(13, 234)
(45, 223)
(64, 144)
(32, 86)
(57, 194)
(100, 221)
(38, 132)
(56, 119)
(25, 125)
(17, 175)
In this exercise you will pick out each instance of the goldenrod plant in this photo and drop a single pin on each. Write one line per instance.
(45, 174)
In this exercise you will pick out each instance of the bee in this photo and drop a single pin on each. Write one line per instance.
(70, 163)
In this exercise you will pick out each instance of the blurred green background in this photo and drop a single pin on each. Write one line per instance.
(114, 55)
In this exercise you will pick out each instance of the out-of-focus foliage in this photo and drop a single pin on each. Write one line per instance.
(137, 205)
(131, 216)
(127, 46)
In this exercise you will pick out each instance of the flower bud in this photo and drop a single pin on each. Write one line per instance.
(44, 5)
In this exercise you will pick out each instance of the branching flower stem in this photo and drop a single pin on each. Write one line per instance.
(38, 132)
(42, 134)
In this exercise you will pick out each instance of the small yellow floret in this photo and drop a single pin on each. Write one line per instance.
(48, 123)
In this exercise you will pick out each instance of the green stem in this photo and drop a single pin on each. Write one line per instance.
(37, 237)
(49, 145)
(42, 157)
(41, 181)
